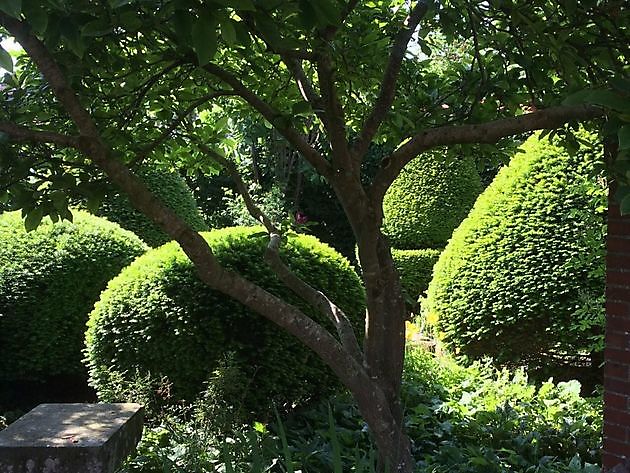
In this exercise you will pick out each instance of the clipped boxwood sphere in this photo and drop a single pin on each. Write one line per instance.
(427, 201)
(522, 279)
(157, 320)
(49, 281)
(171, 188)
(415, 268)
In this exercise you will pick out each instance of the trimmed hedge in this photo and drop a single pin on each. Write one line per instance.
(427, 201)
(415, 268)
(171, 188)
(522, 278)
(157, 321)
(49, 281)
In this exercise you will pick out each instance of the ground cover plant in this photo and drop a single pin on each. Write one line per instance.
(130, 82)
(461, 419)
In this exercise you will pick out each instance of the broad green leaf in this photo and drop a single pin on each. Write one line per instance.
(35, 15)
(204, 37)
(228, 32)
(577, 98)
(182, 23)
(301, 107)
(99, 27)
(11, 7)
(624, 137)
(605, 98)
(327, 12)
(33, 219)
(6, 61)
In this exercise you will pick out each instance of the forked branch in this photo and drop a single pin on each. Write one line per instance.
(489, 132)
(312, 296)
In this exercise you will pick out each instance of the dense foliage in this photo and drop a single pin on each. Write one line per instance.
(157, 321)
(166, 185)
(49, 281)
(522, 279)
(462, 420)
(428, 200)
(415, 268)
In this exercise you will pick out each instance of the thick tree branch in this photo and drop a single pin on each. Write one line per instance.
(312, 296)
(22, 134)
(335, 122)
(390, 78)
(489, 132)
(275, 118)
(196, 248)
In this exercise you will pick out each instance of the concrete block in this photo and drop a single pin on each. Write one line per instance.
(71, 438)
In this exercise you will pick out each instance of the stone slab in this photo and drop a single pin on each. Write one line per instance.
(71, 438)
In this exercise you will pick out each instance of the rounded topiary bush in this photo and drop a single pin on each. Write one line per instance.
(157, 321)
(427, 201)
(522, 278)
(415, 268)
(171, 188)
(49, 281)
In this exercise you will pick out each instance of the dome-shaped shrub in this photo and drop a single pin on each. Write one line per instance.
(171, 188)
(49, 281)
(415, 268)
(427, 201)
(522, 278)
(157, 320)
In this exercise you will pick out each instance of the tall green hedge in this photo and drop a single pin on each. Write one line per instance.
(49, 281)
(522, 278)
(156, 320)
(427, 201)
(171, 188)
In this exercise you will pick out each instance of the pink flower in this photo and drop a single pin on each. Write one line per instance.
(300, 218)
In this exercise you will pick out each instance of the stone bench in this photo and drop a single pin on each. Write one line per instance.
(71, 438)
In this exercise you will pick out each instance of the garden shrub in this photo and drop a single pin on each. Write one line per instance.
(522, 279)
(158, 319)
(171, 188)
(472, 419)
(427, 201)
(49, 280)
(415, 268)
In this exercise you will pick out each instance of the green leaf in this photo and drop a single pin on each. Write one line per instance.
(99, 27)
(301, 107)
(605, 98)
(11, 7)
(624, 137)
(33, 219)
(35, 15)
(204, 37)
(327, 12)
(6, 61)
(228, 32)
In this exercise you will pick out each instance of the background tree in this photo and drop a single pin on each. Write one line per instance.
(113, 85)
